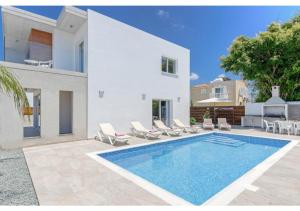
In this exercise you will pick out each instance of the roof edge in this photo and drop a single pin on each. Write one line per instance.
(29, 15)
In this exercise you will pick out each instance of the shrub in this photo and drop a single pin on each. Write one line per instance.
(193, 121)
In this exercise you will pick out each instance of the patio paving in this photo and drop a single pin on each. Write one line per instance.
(63, 174)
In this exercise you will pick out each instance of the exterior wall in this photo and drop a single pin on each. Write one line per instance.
(50, 82)
(125, 63)
(239, 84)
(294, 111)
(65, 48)
(232, 86)
(254, 109)
(81, 36)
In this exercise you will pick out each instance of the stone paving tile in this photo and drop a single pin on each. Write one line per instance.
(64, 175)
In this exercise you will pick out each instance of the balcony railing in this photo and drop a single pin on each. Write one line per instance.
(218, 95)
(26, 52)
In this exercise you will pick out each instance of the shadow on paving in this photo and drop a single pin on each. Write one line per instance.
(16, 187)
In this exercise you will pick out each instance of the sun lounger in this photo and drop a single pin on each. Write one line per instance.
(187, 129)
(139, 130)
(166, 130)
(207, 124)
(107, 132)
(222, 124)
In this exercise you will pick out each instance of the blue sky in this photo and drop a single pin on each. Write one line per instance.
(206, 31)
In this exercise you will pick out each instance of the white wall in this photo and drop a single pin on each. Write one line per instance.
(65, 48)
(125, 63)
(253, 108)
(50, 82)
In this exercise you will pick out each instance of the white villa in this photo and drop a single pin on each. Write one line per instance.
(85, 68)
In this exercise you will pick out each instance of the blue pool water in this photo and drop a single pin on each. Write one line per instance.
(196, 168)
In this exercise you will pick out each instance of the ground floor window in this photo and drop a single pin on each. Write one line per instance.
(32, 114)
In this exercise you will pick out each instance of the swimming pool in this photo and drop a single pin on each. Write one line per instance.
(195, 168)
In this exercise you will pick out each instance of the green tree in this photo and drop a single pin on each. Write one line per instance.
(270, 58)
(11, 86)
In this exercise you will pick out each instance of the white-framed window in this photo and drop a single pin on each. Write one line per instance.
(219, 92)
(168, 65)
(203, 91)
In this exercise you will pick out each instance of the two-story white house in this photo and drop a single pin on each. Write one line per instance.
(85, 68)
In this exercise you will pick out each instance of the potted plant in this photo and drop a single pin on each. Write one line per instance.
(193, 121)
(206, 115)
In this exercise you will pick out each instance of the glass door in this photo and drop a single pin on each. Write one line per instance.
(161, 111)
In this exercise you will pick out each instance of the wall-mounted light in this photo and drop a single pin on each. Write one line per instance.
(143, 96)
(178, 99)
(101, 93)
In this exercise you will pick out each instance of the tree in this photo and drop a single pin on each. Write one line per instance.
(270, 58)
(11, 86)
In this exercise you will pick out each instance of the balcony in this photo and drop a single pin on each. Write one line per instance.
(219, 95)
(28, 52)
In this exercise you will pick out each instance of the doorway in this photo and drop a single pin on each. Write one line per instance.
(65, 112)
(32, 114)
(161, 110)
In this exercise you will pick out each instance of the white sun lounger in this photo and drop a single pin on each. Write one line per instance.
(187, 129)
(139, 130)
(207, 124)
(222, 124)
(107, 132)
(166, 130)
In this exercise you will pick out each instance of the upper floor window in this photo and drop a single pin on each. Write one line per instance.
(81, 57)
(168, 65)
(203, 91)
(220, 92)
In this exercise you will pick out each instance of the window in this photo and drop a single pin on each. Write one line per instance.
(168, 65)
(219, 92)
(81, 56)
(203, 91)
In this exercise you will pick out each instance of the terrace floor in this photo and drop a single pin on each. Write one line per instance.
(63, 174)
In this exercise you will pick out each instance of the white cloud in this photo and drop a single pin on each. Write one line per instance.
(194, 76)
(166, 16)
(163, 14)
(178, 26)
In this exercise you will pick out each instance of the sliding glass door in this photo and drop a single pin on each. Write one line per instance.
(161, 111)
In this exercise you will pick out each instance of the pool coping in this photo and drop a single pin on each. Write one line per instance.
(224, 196)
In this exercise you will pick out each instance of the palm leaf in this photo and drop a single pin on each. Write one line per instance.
(12, 87)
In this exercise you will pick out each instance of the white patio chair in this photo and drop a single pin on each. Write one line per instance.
(139, 130)
(296, 128)
(166, 130)
(187, 129)
(285, 126)
(270, 126)
(108, 132)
